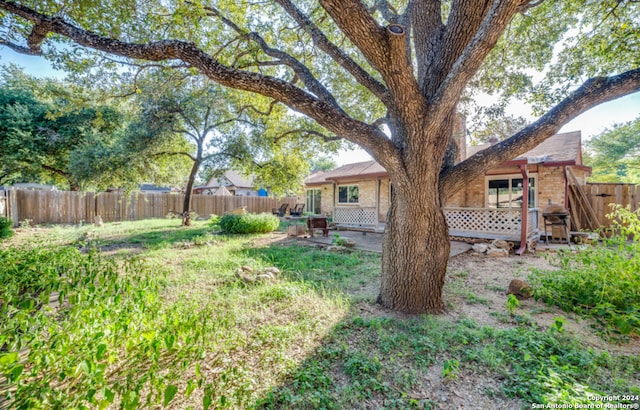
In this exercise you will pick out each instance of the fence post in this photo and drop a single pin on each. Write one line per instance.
(12, 206)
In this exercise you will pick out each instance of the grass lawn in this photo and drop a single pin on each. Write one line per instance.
(147, 313)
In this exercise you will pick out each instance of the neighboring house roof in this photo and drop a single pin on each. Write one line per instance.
(31, 185)
(232, 178)
(358, 170)
(565, 148)
(154, 188)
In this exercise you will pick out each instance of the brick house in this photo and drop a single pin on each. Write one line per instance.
(496, 205)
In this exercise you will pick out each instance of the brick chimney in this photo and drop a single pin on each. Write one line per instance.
(460, 136)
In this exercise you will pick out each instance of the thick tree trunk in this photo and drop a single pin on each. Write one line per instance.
(188, 193)
(415, 253)
(416, 243)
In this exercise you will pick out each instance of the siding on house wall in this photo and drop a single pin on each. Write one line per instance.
(244, 191)
(550, 186)
(366, 196)
(366, 192)
(470, 196)
(326, 199)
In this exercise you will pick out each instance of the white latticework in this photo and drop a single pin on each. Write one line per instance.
(532, 222)
(355, 215)
(493, 221)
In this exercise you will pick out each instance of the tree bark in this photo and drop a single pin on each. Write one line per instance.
(416, 244)
(188, 194)
(415, 252)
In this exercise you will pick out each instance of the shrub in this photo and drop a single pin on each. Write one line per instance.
(249, 223)
(5, 227)
(214, 221)
(603, 281)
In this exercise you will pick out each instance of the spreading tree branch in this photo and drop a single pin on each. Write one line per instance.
(593, 92)
(306, 132)
(20, 49)
(321, 41)
(468, 63)
(174, 153)
(302, 71)
(426, 21)
(384, 48)
(299, 100)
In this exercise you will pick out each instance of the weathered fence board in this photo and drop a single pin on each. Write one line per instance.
(602, 195)
(63, 207)
(3, 204)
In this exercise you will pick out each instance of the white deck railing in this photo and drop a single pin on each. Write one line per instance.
(355, 215)
(532, 222)
(489, 222)
(501, 223)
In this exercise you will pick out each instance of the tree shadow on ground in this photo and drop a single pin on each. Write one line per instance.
(375, 358)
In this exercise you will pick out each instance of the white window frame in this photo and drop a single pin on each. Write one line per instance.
(510, 177)
(312, 206)
(347, 186)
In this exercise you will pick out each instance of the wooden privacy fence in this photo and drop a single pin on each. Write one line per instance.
(64, 207)
(601, 195)
(3, 204)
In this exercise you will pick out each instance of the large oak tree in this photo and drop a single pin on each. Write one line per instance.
(386, 75)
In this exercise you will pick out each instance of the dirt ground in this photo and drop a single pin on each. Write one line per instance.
(488, 278)
(476, 289)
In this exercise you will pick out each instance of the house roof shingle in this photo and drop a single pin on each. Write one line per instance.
(565, 147)
(349, 171)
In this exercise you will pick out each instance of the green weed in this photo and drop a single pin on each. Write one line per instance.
(6, 226)
(602, 282)
(512, 304)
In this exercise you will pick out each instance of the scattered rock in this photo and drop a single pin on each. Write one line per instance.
(273, 270)
(480, 247)
(500, 244)
(265, 276)
(335, 248)
(244, 277)
(497, 252)
(248, 275)
(520, 289)
(348, 243)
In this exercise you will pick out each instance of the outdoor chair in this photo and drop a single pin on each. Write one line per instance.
(297, 210)
(280, 211)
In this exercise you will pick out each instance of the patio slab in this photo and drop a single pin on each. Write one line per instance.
(372, 242)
